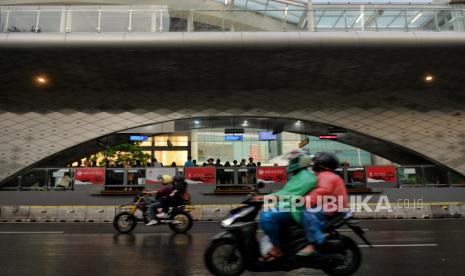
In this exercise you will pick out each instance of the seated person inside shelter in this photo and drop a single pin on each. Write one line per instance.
(329, 185)
(300, 184)
(168, 196)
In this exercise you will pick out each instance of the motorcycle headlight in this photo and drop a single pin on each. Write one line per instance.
(230, 220)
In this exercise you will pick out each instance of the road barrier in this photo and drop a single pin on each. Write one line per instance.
(71, 213)
(100, 213)
(211, 212)
(43, 213)
(14, 213)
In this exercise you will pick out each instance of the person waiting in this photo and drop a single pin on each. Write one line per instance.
(189, 162)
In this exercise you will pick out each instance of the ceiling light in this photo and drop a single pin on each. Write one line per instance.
(196, 122)
(429, 78)
(359, 18)
(41, 80)
(416, 18)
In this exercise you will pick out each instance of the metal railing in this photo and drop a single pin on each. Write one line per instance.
(111, 18)
(43, 179)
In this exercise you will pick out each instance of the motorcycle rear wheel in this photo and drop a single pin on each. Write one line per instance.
(183, 222)
(124, 222)
(223, 258)
(352, 259)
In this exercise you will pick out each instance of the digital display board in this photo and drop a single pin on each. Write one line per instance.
(233, 138)
(138, 138)
(266, 136)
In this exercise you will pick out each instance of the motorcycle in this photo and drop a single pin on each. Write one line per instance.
(237, 249)
(179, 219)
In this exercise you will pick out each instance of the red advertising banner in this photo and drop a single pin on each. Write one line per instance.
(271, 175)
(89, 176)
(200, 175)
(381, 174)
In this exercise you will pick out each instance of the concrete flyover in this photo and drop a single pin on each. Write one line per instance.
(369, 80)
(369, 83)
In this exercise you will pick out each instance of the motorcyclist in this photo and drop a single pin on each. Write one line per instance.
(301, 182)
(328, 184)
(175, 197)
(161, 197)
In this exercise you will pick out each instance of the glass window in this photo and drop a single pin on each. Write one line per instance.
(114, 21)
(168, 157)
(114, 177)
(177, 141)
(33, 180)
(84, 19)
(410, 176)
(143, 21)
(50, 21)
(60, 179)
(22, 20)
(147, 143)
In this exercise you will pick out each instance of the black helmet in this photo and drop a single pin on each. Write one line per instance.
(325, 161)
(178, 179)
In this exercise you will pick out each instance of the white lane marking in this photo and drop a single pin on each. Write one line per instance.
(31, 232)
(401, 245)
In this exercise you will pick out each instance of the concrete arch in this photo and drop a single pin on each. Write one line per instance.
(375, 91)
(379, 147)
(61, 152)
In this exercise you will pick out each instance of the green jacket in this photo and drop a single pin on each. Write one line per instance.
(299, 185)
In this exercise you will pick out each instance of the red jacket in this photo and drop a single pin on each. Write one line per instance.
(164, 191)
(328, 184)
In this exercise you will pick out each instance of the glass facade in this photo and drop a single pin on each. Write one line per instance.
(284, 16)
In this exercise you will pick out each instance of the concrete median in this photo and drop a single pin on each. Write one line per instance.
(43, 213)
(210, 212)
(71, 213)
(100, 213)
(14, 213)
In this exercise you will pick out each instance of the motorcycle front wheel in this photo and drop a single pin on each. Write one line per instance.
(124, 222)
(223, 258)
(349, 259)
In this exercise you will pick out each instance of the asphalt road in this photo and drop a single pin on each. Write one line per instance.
(404, 247)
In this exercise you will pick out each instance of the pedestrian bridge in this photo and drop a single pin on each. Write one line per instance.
(229, 16)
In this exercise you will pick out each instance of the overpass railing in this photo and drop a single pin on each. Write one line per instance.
(225, 178)
(112, 18)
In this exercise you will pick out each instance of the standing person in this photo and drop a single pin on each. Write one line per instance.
(79, 164)
(243, 172)
(155, 163)
(259, 164)
(189, 162)
(220, 179)
(173, 164)
(251, 171)
(328, 184)
(210, 162)
(228, 173)
(251, 163)
(194, 162)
